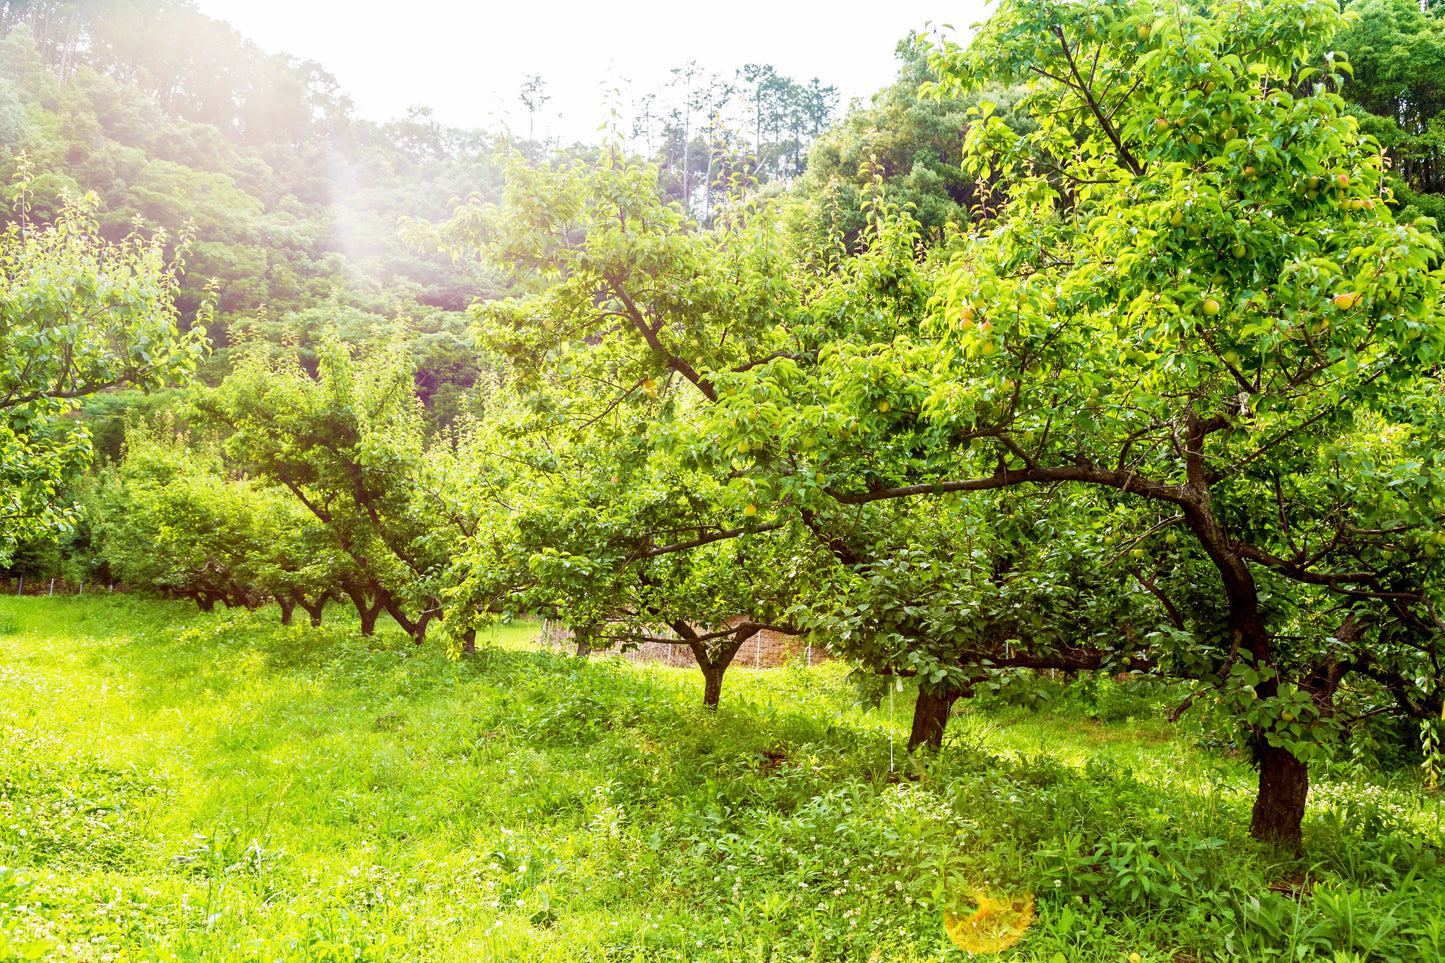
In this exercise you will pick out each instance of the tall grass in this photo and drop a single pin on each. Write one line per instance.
(176, 786)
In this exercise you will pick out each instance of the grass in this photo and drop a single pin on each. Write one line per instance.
(177, 786)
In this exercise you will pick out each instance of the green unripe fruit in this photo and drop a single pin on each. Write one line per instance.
(1211, 307)
(1238, 250)
(1230, 133)
(1176, 219)
(1143, 31)
(1195, 140)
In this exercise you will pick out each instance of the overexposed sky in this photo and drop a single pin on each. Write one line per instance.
(468, 60)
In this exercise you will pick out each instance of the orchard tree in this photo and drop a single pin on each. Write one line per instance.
(594, 522)
(348, 445)
(78, 316)
(1203, 304)
(171, 520)
(969, 593)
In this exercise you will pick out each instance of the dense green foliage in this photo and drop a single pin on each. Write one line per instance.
(78, 316)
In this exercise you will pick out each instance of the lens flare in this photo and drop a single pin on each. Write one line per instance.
(997, 924)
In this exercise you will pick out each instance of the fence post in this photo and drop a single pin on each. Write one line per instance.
(52, 586)
(20, 589)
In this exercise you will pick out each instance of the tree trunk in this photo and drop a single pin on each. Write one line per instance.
(930, 718)
(712, 680)
(206, 603)
(367, 610)
(288, 608)
(583, 636)
(417, 630)
(314, 609)
(715, 665)
(469, 642)
(1279, 808)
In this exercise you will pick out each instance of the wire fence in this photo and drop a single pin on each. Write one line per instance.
(765, 650)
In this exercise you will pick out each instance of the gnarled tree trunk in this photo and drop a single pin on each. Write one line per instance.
(930, 717)
(1279, 808)
(314, 609)
(715, 664)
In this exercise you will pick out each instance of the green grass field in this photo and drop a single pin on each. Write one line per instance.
(175, 786)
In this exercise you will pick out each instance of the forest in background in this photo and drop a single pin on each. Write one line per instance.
(178, 122)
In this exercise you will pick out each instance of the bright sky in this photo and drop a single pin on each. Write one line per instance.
(468, 60)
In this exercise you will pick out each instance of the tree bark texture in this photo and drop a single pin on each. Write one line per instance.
(1279, 807)
(930, 718)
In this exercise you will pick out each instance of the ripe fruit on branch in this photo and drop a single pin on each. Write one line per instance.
(750, 511)
(1342, 180)
(967, 312)
(1345, 300)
